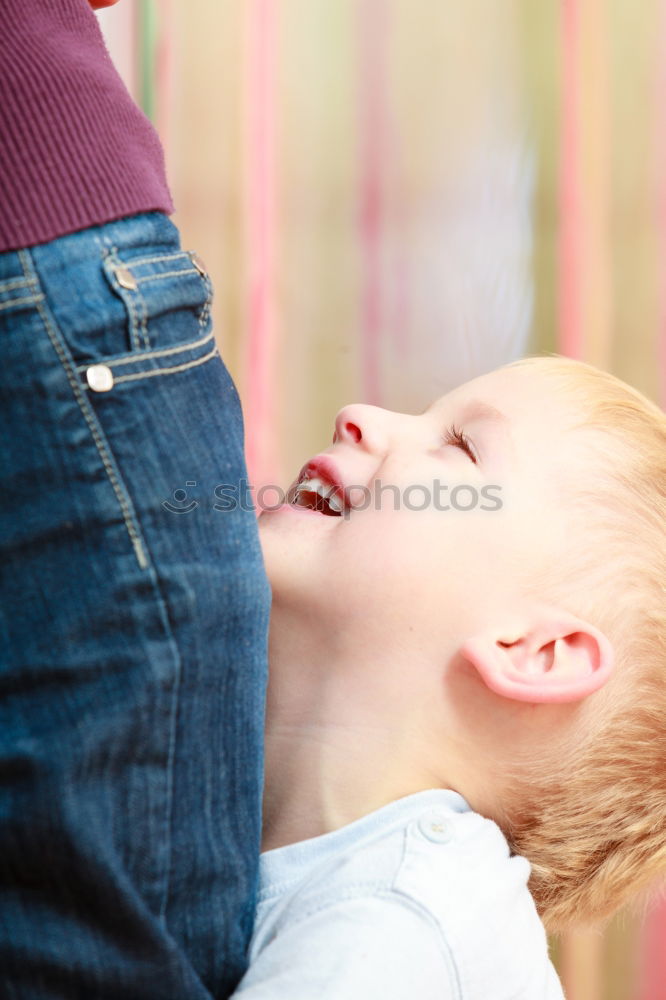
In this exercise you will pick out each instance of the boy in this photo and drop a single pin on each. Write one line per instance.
(454, 687)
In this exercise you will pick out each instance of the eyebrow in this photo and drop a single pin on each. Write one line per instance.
(476, 409)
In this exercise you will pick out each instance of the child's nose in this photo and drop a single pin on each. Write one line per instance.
(380, 431)
(362, 425)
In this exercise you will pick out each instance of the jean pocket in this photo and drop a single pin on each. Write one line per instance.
(165, 311)
(153, 288)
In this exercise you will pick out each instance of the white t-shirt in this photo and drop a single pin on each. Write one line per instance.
(420, 900)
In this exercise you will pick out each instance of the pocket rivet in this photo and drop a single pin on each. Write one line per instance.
(199, 264)
(126, 279)
(99, 378)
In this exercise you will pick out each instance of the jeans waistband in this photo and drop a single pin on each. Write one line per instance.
(145, 229)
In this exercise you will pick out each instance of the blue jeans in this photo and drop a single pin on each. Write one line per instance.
(133, 624)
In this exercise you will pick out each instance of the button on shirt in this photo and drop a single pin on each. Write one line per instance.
(420, 899)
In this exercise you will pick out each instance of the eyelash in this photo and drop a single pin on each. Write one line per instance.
(460, 440)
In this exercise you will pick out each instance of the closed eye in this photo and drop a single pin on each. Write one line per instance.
(456, 437)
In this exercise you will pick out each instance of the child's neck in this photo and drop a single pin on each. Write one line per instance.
(339, 742)
(320, 781)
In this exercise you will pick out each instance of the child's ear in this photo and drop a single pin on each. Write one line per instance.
(560, 658)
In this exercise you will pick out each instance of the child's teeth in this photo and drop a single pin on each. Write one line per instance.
(316, 485)
(311, 485)
(322, 489)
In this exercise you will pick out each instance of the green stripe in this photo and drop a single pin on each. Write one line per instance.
(147, 19)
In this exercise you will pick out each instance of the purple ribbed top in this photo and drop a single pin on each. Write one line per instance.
(75, 151)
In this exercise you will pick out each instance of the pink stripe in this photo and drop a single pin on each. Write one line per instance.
(260, 114)
(652, 961)
(372, 144)
(399, 306)
(400, 317)
(660, 151)
(165, 83)
(570, 248)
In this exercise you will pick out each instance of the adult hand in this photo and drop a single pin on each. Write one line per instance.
(98, 4)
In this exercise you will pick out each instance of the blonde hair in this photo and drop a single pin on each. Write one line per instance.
(592, 822)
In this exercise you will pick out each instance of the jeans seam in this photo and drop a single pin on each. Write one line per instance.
(28, 300)
(165, 274)
(157, 259)
(137, 305)
(9, 285)
(134, 358)
(205, 312)
(141, 554)
(135, 321)
(144, 319)
(167, 371)
(173, 720)
(91, 420)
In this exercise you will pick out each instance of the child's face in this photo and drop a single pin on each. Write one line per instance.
(436, 542)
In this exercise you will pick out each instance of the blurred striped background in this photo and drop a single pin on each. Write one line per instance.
(393, 196)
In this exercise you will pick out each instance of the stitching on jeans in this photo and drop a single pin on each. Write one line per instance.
(168, 371)
(134, 321)
(140, 303)
(159, 257)
(106, 252)
(205, 312)
(137, 307)
(123, 500)
(163, 371)
(7, 286)
(21, 302)
(144, 319)
(203, 317)
(139, 323)
(166, 274)
(133, 359)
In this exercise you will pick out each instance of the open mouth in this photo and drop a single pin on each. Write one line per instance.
(314, 493)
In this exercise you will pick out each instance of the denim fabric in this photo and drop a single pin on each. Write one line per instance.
(132, 628)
